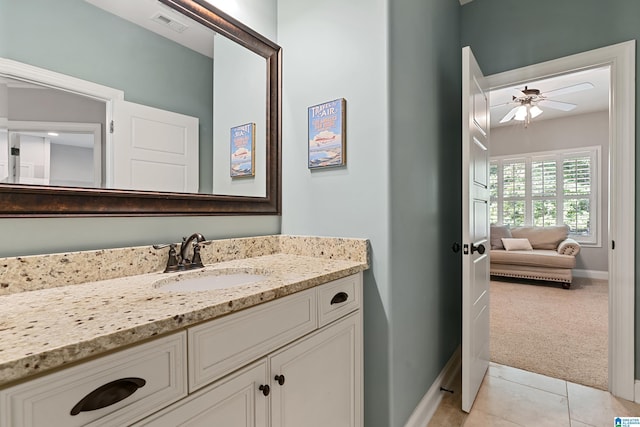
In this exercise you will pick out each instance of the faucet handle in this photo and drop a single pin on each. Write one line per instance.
(172, 261)
(196, 261)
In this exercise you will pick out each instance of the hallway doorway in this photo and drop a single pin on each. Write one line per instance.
(621, 60)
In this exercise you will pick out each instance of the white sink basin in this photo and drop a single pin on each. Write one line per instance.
(210, 280)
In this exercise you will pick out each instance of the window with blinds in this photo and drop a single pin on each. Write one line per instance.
(543, 192)
(544, 189)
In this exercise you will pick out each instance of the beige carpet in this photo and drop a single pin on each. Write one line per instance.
(552, 331)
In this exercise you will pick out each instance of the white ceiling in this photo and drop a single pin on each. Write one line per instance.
(587, 101)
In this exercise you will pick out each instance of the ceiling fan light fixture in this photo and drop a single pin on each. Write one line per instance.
(521, 113)
(535, 111)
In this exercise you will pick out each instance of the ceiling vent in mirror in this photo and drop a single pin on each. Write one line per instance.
(167, 21)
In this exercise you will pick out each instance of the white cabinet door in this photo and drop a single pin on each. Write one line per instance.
(322, 381)
(153, 149)
(234, 401)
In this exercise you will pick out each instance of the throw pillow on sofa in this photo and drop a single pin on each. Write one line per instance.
(497, 232)
(515, 244)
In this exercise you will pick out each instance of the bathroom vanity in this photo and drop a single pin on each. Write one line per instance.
(285, 349)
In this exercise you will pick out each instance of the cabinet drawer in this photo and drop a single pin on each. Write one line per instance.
(339, 298)
(49, 400)
(223, 345)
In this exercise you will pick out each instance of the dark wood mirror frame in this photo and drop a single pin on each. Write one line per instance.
(42, 201)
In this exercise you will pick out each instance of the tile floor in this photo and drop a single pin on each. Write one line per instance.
(511, 397)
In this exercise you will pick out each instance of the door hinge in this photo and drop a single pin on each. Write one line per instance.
(613, 244)
(111, 127)
(15, 151)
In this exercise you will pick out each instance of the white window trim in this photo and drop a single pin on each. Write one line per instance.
(595, 239)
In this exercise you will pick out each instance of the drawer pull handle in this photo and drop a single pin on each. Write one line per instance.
(280, 379)
(265, 389)
(108, 394)
(339, 298)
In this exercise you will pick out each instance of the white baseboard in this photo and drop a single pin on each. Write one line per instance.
(637, 391)
(429, 403)
(591, 274)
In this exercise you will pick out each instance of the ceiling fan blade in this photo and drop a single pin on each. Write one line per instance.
(509, 115)
(557, 105)
(570, 89)
(502, 104)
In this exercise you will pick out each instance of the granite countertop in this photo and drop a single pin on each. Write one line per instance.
(47, 328)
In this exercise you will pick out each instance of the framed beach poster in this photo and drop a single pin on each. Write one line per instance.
(327, 134)
(243, 140)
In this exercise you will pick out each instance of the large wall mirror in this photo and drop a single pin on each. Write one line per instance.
(136, 107)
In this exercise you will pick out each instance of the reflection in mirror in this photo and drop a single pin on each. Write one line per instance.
(179, 90)
(239, 98)
(64, 158)
(50, 137)
(152, 149)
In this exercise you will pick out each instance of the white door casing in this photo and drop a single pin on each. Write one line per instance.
(109, 95)
(475, 228)
(621, 60)
(153, 149)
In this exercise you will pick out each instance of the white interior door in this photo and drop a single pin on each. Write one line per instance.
(475, 228)
(153, 149)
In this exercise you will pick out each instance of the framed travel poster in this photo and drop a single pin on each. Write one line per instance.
(327, 134)
(243, 140)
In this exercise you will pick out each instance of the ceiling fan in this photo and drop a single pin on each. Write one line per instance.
(528, 102)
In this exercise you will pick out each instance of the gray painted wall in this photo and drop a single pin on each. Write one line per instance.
(337, 49)
(71, 166)
(493, 28)
(51, 42)
(398, 65)
(567, 133)
(424, 147)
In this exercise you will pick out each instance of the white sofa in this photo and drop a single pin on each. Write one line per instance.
(551, 255)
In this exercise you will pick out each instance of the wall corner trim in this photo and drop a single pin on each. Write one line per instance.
(429, 403)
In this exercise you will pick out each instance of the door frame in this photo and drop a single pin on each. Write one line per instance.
(622, 118)
(77, 86)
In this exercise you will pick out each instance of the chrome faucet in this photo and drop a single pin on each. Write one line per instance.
(180, 261)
